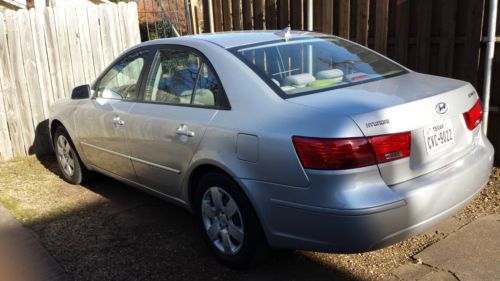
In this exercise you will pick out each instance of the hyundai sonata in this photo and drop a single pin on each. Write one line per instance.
(279, 139)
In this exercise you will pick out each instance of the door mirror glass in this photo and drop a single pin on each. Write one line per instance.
(81, 92)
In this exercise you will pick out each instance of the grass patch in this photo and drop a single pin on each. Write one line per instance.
(33, 191)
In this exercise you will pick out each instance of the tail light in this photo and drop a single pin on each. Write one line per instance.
(339, 154)
(473, 116)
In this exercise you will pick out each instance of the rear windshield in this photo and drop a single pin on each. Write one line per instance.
(309, 65)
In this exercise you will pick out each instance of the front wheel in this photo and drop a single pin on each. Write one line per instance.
(71, 167)
(228, 222)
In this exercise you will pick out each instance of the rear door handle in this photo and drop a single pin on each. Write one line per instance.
(117, 121)
(183, 130)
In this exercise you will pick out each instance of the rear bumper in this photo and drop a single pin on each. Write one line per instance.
(367, 214)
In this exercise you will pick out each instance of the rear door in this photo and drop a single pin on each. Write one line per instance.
(181, 94)
(102, 120)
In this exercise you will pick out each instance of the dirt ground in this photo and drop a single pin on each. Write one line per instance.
(106, 230)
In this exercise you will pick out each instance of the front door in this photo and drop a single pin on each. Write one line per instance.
(180, 96)
(103, 120)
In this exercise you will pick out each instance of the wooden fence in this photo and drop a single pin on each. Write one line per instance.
(44, 53)
(432, 36)
(441, 37)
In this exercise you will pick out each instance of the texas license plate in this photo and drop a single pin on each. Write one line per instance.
(439, 136)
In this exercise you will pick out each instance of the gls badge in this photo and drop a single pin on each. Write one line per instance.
(441, 108)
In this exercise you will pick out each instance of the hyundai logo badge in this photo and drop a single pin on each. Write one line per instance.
(441, 108)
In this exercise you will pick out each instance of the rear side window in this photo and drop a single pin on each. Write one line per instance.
(309, 65)
(180, 76)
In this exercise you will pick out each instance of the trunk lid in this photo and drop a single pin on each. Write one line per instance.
(407, 103)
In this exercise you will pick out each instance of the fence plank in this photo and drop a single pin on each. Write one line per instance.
(64, 51)
(114, 28)
(381, 25)
(271, 14)
(15, 56)
(258, 14)
(10, 97)
(344, 18)
(85, 44)
(447, 39)
(106, 39)
(424, 10)
(362, 16)
(51, 44)
(472, 42)
(237, 24)
(283, 8)
(75, 49)
(247, 14)
(134, 23)
(124, 20)
(31, 74)
(206, 21)
(194, 17)
(6, 147)
(327, 15)
(296, 14)
(42, 76)
(5, 144)
(119, 26)
(402, 27)
(218, 20)
(95, 38)
(226, 15)
(38, 33)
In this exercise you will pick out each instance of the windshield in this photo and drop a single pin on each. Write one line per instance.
(311, 65)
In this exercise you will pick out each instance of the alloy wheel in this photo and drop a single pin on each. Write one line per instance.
(222, 220)
(65, 156)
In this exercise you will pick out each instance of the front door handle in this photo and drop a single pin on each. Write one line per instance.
(117, 121)
(183, 130)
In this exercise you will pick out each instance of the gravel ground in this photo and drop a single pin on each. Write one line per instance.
(108, 231)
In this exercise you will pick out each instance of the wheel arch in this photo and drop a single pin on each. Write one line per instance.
(203, 167)
(197, 171)
(56, 123)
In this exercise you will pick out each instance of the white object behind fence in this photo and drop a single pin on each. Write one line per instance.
(44, 53)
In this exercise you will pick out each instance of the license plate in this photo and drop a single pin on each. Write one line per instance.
(439, 136)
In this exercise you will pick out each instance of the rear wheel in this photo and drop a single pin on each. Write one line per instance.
(228, 222)
(69, 162)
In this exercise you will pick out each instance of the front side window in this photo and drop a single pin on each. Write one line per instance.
(181, 76)
(304, 66)
(121, 82)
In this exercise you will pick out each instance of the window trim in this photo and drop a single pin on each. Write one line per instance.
(222, 104)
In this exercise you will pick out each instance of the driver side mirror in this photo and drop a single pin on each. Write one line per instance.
(81, 92)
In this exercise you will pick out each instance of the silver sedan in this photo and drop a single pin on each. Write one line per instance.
(279, 139)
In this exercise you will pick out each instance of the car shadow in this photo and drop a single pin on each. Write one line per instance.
(130, 235)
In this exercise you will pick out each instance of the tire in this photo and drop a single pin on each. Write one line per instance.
(70, 165)
(233, 233)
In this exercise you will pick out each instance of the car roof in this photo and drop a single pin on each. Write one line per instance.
(232, 39)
